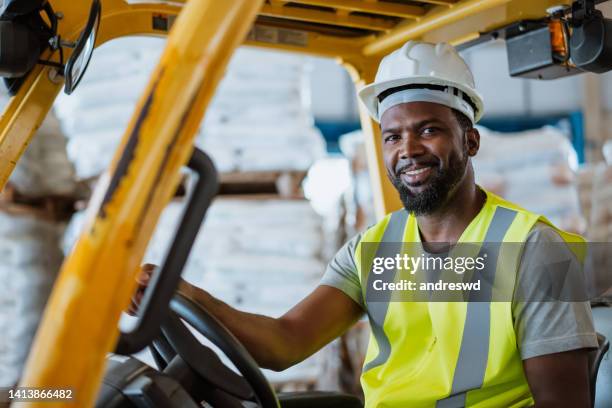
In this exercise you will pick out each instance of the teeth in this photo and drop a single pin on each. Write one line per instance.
(415, 172)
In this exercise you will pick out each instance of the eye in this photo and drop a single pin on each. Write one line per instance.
(392, 138)
(430, 130)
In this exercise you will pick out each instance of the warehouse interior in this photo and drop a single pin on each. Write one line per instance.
(284, 133)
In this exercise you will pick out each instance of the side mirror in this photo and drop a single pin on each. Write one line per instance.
(25, 34)
(79, 60)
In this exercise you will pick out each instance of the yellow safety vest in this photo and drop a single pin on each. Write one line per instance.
(448, 354)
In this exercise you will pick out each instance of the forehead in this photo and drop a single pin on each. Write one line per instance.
(406, 114)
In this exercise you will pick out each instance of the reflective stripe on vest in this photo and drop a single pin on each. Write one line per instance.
(472, 361)
(377, 311)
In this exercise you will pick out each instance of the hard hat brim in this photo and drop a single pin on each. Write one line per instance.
(368, 95)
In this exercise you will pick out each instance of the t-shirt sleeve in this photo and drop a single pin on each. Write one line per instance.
(342, 274)
(553, 326)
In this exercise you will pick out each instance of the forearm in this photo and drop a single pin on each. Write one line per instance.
(559, 379)
(267, 339)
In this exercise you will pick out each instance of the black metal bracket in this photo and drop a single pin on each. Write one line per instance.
(583, 10)
(154, 306)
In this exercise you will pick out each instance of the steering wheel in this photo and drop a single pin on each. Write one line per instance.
(250, 385)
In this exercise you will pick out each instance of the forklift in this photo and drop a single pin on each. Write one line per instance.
(45, 47)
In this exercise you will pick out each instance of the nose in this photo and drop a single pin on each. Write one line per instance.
(411, 146)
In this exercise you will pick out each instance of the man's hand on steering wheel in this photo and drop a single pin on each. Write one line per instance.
(143, 279)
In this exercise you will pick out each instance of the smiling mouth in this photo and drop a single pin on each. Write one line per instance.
(415, 171)
(416, 176)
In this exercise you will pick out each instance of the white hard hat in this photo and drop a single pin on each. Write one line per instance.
(438, 69)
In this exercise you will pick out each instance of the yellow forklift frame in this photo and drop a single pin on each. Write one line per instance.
(79, 326)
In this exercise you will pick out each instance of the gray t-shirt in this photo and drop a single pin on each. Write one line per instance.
(541, 327)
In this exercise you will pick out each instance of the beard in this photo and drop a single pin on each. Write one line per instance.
(439, 185)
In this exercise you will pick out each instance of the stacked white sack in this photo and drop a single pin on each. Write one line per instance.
(29, 247)
(260, 118)
(31, 257)
(595, 186)
(249, 249)
(96, 115)
(360, 205)
(600, 226)
(584, 182)
(258, 256)
(601, 211)
(534, 169)
(44, 169)
(261, 256)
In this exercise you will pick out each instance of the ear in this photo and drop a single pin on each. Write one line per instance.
(472, 138)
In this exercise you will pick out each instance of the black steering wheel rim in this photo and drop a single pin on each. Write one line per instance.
(207, 325)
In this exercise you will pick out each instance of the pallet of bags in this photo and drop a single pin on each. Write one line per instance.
(30, 232)
(261, 256)
(594, 181)
(534, 169)
(96, 115)
(31, 258)
(261, 106)
(360, 201)
(600, 226)
(249, 251)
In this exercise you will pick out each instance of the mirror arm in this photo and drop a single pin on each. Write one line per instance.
(60, 65)
(66, 44)
(57, 65)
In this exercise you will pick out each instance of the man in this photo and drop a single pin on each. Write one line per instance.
(434, 354)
